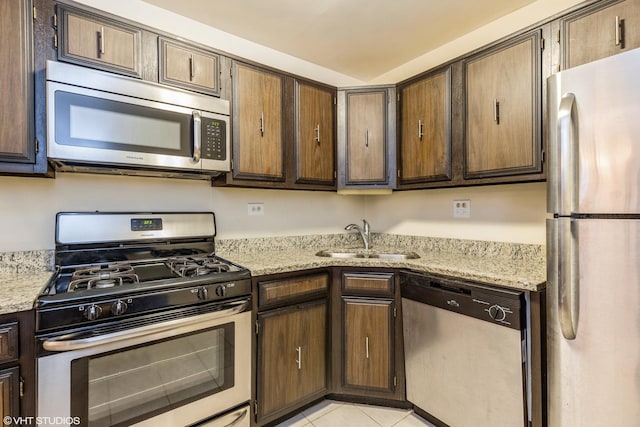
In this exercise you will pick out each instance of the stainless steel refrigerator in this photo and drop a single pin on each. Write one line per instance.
(593, 244)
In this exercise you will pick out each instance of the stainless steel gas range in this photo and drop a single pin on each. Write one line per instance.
(143, 324)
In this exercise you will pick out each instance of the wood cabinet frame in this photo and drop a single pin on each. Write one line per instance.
(536, 107)
(446, 72)
(64, 12)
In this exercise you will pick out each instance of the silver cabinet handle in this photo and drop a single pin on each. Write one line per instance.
(420, 129)
(197, 137)
(317, 139)
(299, 359)
(192, 68)
(239, 418)
(101, 35)
(366, 347)
(619, 32)
(262, 123)
(568, 277)
(496, 111)
(366, 138)
(567, 135)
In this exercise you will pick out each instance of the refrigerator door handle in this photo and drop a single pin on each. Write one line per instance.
(568, 276)
(567, 140)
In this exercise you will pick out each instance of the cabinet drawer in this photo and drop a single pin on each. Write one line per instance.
(88, 39)
(379, 283)
(8, 342)
(189, 67)
(295, 288)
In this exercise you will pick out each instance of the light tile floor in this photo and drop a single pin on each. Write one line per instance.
(331, 413)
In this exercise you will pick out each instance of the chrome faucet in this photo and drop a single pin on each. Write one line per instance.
(364, 232)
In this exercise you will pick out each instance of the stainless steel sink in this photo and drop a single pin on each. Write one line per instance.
(370, 253)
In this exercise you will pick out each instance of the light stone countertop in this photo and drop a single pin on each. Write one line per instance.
(519, 274)
(18, 291)
(516, 266)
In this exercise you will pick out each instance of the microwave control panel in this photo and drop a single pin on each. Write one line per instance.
(214, 137)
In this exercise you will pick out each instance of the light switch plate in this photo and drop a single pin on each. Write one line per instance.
(462, 208)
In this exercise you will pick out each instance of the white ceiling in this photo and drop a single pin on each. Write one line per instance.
(358, 38)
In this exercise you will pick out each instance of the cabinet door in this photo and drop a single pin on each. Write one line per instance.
(503, 110)
(291, 357)
(597, 32)
(189, 67)
(315, 130)
(366, 145)
(99, 42)
(16, 83)
(257, 124)
(368, 343)
(425, 125)
(9, 393)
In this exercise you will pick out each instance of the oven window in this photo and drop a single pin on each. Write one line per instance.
(137, 383)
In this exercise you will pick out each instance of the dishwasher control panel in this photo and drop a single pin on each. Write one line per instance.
(500, 306)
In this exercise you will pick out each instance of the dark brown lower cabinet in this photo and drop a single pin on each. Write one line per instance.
(292, 349)
(9, 393)
(368, 343)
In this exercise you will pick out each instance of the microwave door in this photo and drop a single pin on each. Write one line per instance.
(96, 127)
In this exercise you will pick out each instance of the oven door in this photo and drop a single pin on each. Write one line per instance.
(174, 373)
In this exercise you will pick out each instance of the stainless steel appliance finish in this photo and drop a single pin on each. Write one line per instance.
(142, 323)
(106, 123)
(465, 351)
(593, 244)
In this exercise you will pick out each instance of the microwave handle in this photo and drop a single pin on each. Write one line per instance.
(197, 136)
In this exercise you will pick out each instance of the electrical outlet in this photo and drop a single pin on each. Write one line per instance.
(462, 208)
(255, 208)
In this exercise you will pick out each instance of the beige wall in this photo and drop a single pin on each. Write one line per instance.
(512, 213)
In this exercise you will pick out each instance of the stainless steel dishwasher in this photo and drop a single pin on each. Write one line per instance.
(465, 352)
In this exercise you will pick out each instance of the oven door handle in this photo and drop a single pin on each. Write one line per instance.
(186, 325)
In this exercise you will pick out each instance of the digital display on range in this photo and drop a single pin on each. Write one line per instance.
(146, 224)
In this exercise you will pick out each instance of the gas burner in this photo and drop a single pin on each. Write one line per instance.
(198, 265)
(99, 277)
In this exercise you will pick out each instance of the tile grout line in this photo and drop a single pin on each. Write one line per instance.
(369, 416)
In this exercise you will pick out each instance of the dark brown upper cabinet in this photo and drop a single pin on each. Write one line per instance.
(283, 130)
(98, 41)
(17, 133)
(503, 97)
(189, 67)
(424, 146)
(366, 138)
(258, 140)
(315, 134)
(600, 30)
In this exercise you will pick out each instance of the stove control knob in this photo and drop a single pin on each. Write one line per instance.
(220, 290)
(203, 294)
(119, 308)
(497, 313)
(93, 312)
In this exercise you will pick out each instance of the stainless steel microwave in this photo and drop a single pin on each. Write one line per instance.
(107, 123)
